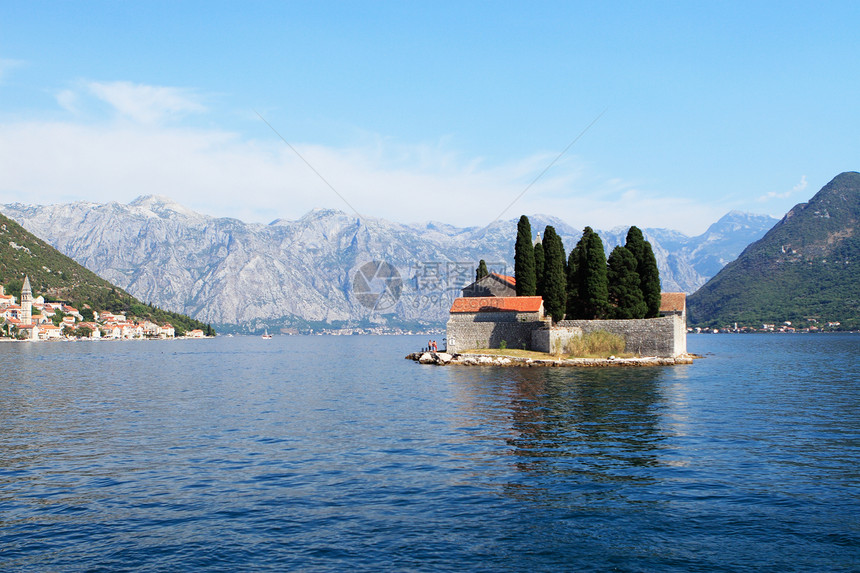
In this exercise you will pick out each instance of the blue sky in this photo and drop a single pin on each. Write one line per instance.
(423, 111)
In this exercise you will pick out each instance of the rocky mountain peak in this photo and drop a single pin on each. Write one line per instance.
(225, 271)
(162, 206)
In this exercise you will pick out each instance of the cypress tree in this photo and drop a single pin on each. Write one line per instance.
(574, 276)
(625, 294)
(524, 259)
(646, 266)
(594, 288)
(554, 281)
(481, 271)
(539, 268)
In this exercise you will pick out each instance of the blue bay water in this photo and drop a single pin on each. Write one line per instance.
(334, 453)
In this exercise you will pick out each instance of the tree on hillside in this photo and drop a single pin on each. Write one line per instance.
(524, 259)
(554, 281)
(625, 294)
(646, 267)
(13, 287)
(481, 271)
(540, 260)
(58, 317)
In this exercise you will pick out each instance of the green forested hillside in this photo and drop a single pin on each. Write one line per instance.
(59, 278)
(805, 270)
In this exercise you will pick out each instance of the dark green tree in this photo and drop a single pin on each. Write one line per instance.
(594, 285)
(554, 281)
(573, 303)
(58, 317)
(481, 271)
(524, 259)
(625, 294)
(539, 267)
(646, 267)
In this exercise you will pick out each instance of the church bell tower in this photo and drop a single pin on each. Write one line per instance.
(26, 302)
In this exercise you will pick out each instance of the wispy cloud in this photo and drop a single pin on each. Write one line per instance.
(801, 186)
(68, 100)
(221, 173)
(144, 103)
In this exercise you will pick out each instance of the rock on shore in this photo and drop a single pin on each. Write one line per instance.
(465, 359)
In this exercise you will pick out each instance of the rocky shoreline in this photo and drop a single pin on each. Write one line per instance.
(468, 359)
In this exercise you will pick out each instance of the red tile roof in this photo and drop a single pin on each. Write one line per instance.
(672, 301)
(497, 304)
(508, 279)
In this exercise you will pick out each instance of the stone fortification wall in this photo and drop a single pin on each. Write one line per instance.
(489, 329)
(662, 337)
(554, 340)
(665, 336)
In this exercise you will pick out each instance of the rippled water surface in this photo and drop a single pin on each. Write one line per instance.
(334, 453)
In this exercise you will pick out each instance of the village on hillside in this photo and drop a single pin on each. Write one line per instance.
(32, 318)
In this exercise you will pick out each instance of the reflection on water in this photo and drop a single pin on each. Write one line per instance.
(333, 453)
(579, 433)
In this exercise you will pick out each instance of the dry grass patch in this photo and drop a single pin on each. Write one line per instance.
(597, 344)
(507, 352)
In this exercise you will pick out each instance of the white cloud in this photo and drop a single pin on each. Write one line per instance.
(144, 103)
(219, 173)
(68, 100)
(223, 174)
(801, 185)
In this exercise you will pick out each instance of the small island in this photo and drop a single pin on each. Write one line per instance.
(580, 310)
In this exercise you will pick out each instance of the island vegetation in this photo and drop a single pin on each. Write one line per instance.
(584, 284)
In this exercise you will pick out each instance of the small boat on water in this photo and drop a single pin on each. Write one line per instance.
(266, 335)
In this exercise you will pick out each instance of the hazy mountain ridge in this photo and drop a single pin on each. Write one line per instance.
(806, 266)
(225, 271)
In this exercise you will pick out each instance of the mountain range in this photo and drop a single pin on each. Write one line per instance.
(805, 270)
(314, 270)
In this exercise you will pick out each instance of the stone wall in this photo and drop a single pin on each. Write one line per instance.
(553, 339)
(489, 329)
(664, 336)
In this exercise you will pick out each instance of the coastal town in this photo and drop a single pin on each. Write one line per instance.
(33, 319)
(811, 325)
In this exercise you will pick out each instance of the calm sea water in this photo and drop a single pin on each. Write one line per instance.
(335, 453)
